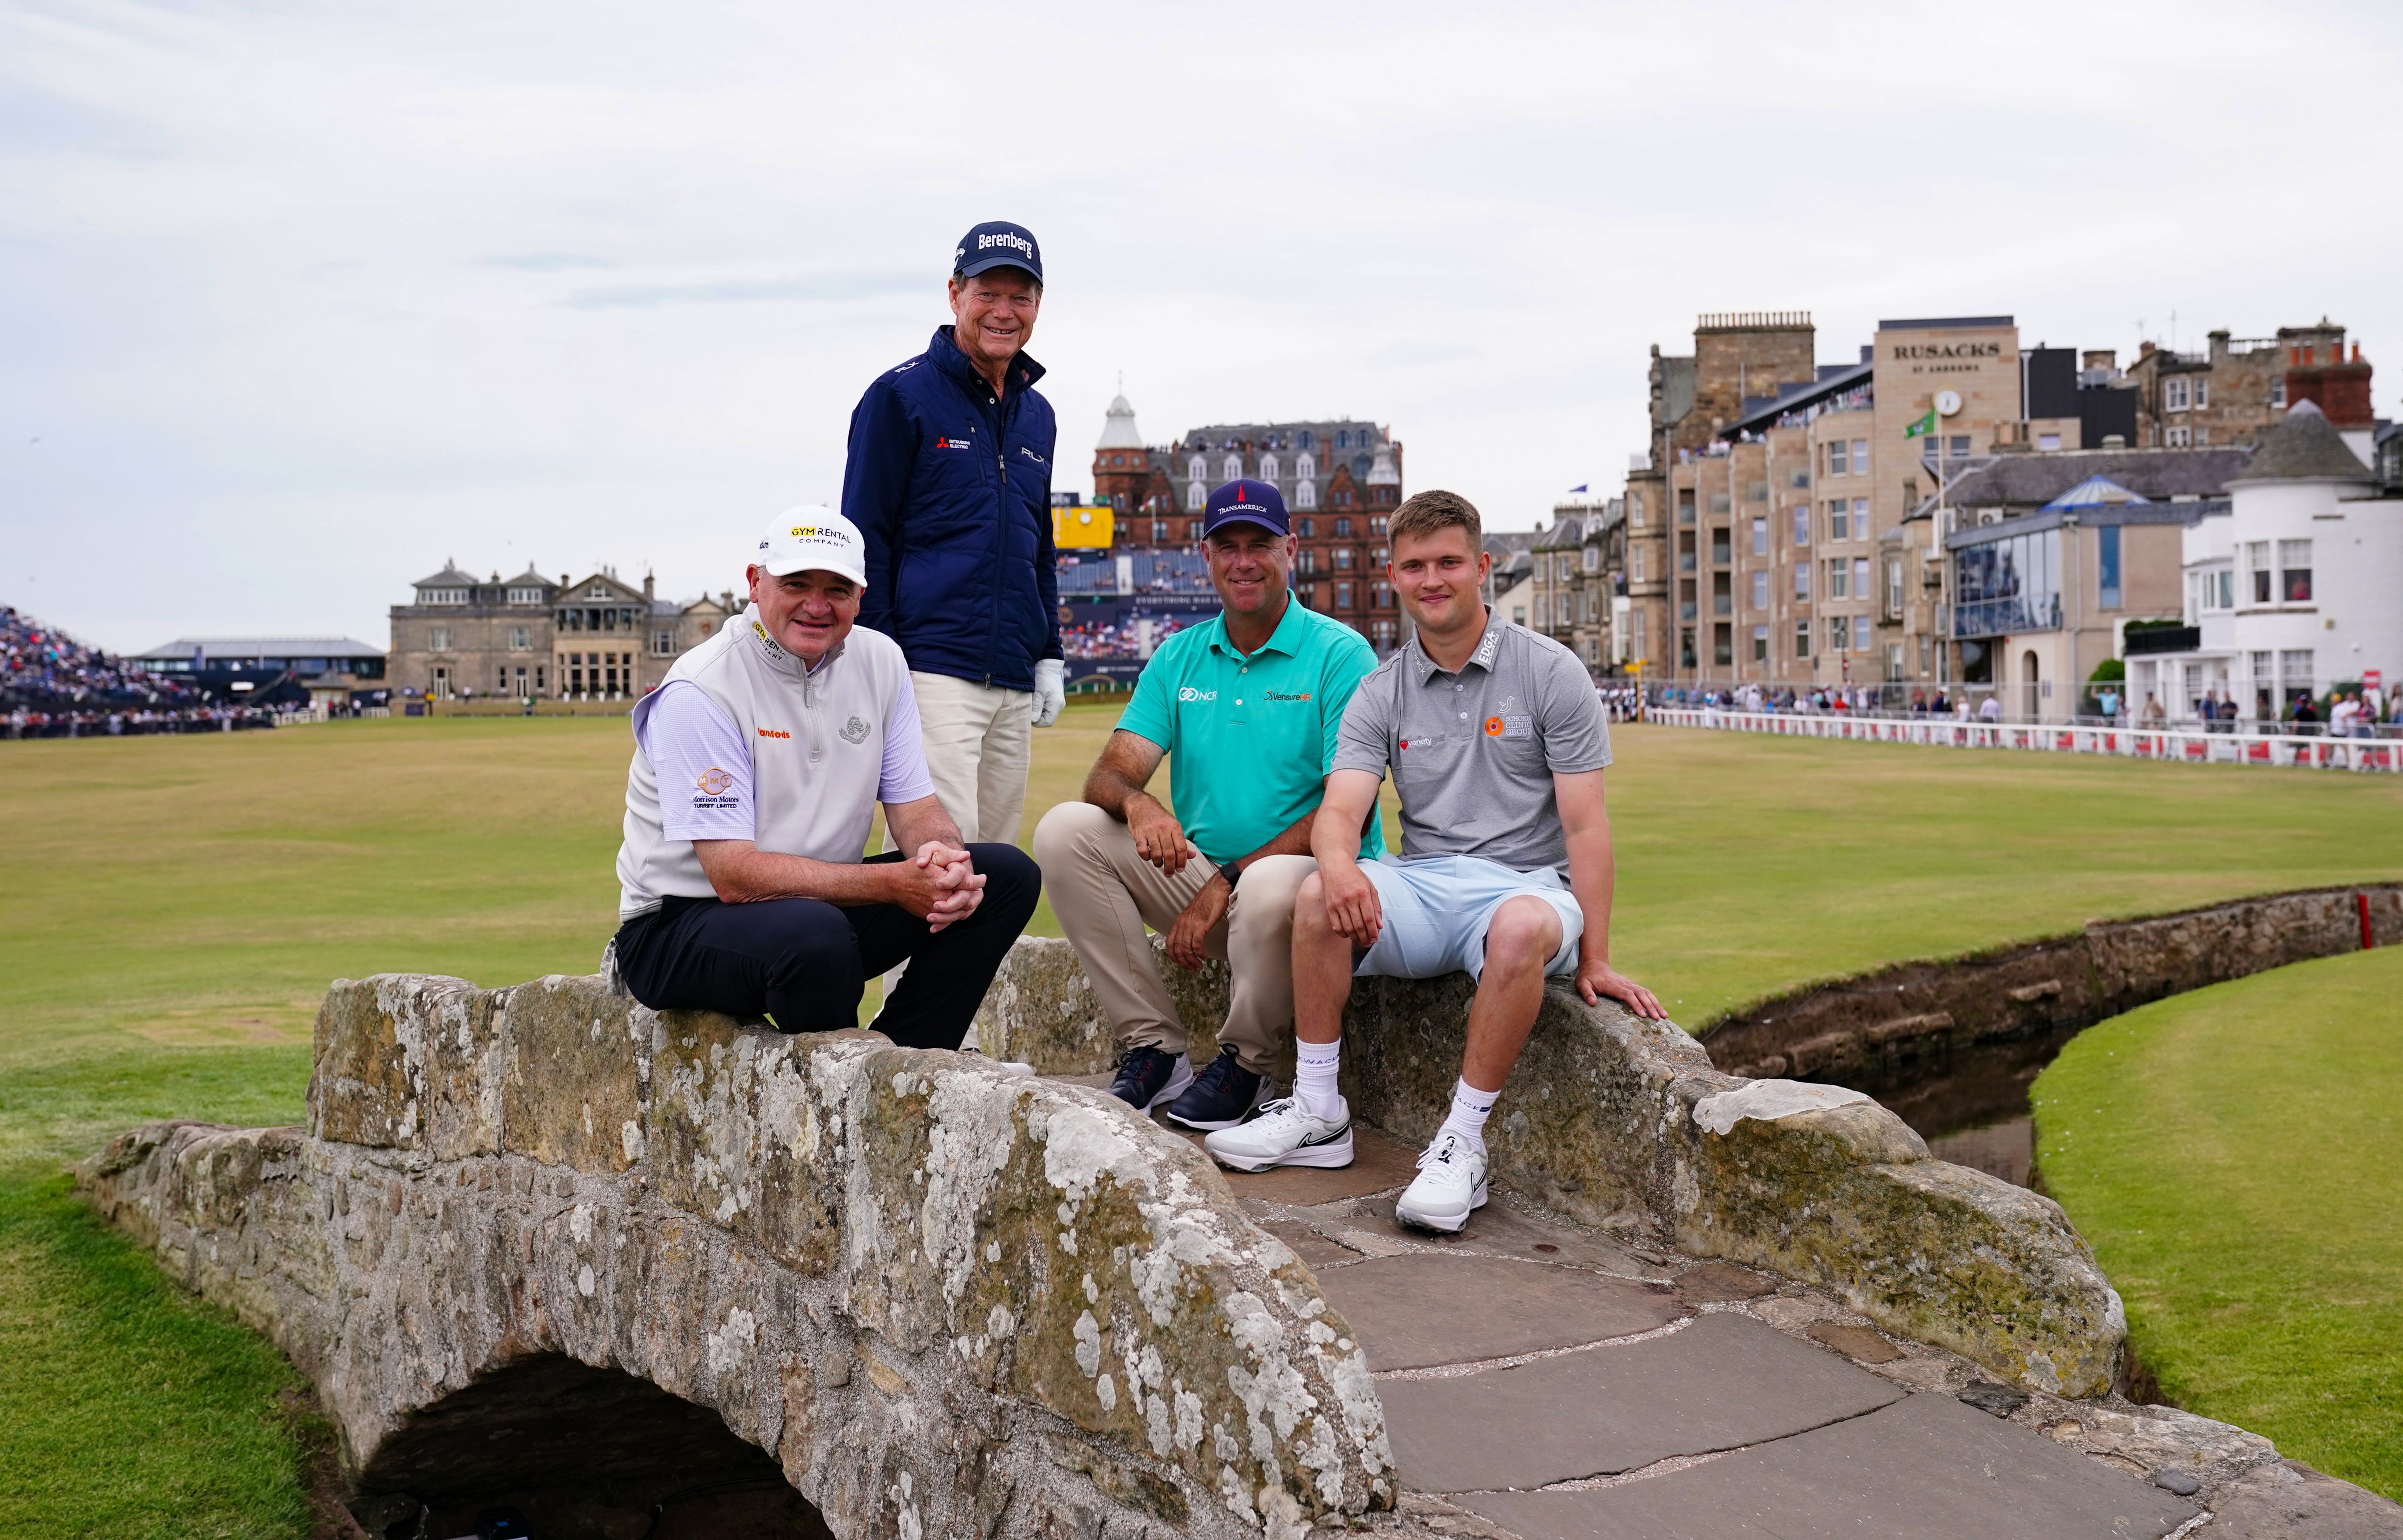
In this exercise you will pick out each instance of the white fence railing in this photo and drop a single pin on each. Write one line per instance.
(2186, 747)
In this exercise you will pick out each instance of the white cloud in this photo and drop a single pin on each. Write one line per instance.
(303, 300)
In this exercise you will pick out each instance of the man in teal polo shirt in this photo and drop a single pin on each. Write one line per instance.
(1246, 708)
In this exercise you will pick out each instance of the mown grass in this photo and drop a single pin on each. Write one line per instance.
(172, 908)
(2232, 1156)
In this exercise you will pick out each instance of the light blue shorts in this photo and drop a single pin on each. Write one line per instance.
(1437, 909)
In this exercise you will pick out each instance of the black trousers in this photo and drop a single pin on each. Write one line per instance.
(803, 963)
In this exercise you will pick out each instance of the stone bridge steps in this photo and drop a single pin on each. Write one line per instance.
(1542, 1381)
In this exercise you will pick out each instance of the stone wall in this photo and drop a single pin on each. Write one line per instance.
(944, 1299)
(1881, 1028)
(1603, 1121)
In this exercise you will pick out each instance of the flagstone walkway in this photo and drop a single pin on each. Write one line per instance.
(1543, 1382)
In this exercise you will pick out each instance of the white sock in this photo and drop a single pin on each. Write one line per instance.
(1314, 1065)
(1469, 1108)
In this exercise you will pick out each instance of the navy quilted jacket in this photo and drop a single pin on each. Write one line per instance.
(951, 490)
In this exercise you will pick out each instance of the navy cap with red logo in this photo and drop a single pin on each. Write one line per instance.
(1246, 501)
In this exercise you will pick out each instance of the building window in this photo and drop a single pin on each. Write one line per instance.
(1268, 468)
(1635, 565)
(1193, 529)
(1344, 440)
(1801, 638)
(2201, 394)
(1839, 460)
(1802, 525)
(1801, 579)
(1860, 577)
(2278, 393)
(521, 638)
(1230, 468)
(1894, 588)
(1760, 644)
(1343, 596)
(1635, 510)
(1384, 596)
(1840, 633)
(1760, 593)
(1195, 497)
(2174, 396)
(2047, 441)
(2257, 566)
(1160, 532)
(2299, 677)
(442, 596)
(1960, 446)
(1343, 528)
(1760, 537)
(2295, 571)
(2178, 437)
(1342, 557)
(1197, 469)
(1860, 457)
(1593, 559)
(663, 644)
(1860, 517)
(1305, 493)
(1518, 615)
(1839, 579)
(1543, 612)
(598, 590)
(525, 596)
(1861, 634)
(2107, 573)
(438, 639)
(1840, 520)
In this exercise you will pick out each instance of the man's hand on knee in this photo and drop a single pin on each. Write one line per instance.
(1349, 901)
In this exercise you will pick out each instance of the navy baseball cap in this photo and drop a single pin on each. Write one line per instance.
(997, 244)
(1248, 502)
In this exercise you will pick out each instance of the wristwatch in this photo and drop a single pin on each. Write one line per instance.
(1233, 874)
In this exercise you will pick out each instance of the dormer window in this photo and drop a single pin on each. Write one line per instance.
(598, 590)
(525, 596)
(442, 596)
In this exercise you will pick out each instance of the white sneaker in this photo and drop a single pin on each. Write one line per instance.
(1450, 1187)
(1285, 1133)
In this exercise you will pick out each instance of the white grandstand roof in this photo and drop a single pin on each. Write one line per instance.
(259, 646)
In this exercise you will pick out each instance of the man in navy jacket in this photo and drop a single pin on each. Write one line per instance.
(949, 483)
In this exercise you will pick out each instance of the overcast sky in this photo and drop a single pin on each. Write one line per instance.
(300, 300)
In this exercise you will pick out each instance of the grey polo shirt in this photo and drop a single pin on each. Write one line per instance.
(1473, 754)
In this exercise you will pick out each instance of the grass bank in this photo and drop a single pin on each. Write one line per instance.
(173, 907)
(2232, 1155)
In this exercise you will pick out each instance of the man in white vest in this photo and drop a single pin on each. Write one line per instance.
(758, 763)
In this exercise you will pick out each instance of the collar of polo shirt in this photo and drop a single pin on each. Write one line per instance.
(1426, 668)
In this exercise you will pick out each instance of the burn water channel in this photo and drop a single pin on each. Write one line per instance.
(1952, 1046)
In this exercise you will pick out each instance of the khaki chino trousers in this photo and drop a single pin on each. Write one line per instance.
(1106, 893)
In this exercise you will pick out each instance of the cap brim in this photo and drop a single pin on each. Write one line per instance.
(807, 564)
(986, 264)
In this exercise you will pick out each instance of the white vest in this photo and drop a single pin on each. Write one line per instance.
(817, 755)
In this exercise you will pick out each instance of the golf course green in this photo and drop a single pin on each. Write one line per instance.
(175, 907)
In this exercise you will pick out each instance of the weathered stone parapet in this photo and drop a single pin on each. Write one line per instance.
(1598, 1122)
(1880, 1028)
(945, 1300)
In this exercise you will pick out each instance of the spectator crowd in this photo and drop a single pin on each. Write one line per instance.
(1114, 640)
(53, 685)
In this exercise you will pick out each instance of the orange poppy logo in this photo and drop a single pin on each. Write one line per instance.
(715, 781)
(1494, 726)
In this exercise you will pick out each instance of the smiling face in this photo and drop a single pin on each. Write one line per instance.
(1440, 577)
(1248, 566)
(808, 614)
(992, 314)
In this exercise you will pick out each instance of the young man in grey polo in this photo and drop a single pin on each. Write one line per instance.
(1496, 743)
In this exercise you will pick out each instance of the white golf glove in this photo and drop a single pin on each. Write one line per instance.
(1050, 691)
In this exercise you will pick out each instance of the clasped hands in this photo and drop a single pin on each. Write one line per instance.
(938, 884)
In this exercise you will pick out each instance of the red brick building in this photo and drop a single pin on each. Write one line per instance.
(1340, 480)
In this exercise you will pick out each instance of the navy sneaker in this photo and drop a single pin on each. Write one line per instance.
(1148, 1077)
(1223, 1095)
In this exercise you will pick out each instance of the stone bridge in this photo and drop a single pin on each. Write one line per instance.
(637, 1274)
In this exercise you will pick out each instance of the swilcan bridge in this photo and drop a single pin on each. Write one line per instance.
(630, 1273)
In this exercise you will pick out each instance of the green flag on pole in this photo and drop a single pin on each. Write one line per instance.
(1924, 425)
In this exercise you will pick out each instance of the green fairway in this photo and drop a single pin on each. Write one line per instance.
(175, 906)
(2232, 1156)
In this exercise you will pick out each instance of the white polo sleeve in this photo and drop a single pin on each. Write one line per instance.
(902, 776)
(704, 766)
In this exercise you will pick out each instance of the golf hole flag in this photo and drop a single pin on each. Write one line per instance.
(1924, 425)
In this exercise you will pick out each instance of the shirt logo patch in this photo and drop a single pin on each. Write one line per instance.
(1189, 693)
(715, 781)
(1513, 725)
(773, 732)
(854, 730)
(1281, 695)
(953, 444)
(1426, 741)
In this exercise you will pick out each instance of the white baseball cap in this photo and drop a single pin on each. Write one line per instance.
(812, 538)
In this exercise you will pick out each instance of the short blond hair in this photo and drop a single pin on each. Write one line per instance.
(1425, 513)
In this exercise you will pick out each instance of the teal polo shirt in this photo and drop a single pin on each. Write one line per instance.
(1250, 740)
